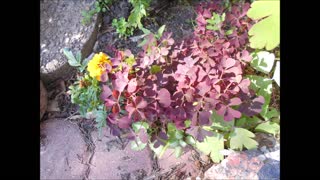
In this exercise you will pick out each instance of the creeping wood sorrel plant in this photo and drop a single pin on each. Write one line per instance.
(186, 94)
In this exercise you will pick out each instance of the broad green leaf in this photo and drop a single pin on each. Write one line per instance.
(247, 122)
(71, 59)
(265, 33)
(219, 123)
(160, 30)
(179, 135)
(138, 125)
(145, 31)
(174, 143)
(262, 86)
(271, 114)
(190, 140)
(143, 43)
(101, 117)
(78, 56)
(171, 129)
(178, 151)
(268, 127)
(187, 123)
(230, 31)
(240, 138)
(155, 69)
(130, 60)
(212, 27)
(276, 74)
(138, 145)
(182, 143)
(263, 61)
(156, 151)
(212, 145)
(84, 64)
(215, 21)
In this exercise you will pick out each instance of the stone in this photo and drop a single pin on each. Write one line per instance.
(113, 159)
(61, 148)
(248, 164)
(270, 170)
(273, 155)
(60, 24)
(169, 160)
(183, 166)
(265, 139)
(264, 149)
(43, 99)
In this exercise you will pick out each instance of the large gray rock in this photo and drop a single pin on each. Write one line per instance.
(60, 27)
(62, 147)
(43, 99)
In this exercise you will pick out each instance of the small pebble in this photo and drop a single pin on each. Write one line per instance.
(262, 157)
(273, 155)
(264, 149)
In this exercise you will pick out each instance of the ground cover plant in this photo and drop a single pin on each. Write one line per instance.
(199, 93)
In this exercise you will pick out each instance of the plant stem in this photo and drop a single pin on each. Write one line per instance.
(164, 149)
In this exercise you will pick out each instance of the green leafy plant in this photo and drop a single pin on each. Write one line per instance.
(215, 22)
(125, 28)
(86, 90)
(266, 33)
(99, 6)
(122, 27)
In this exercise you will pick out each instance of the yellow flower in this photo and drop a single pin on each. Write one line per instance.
(96, 65)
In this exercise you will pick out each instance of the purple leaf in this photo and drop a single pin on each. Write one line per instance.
(164, 51)
(252, 105)
(114, 130)
(140, 103)
(206, 13)
(204, 118)
(164, 97)
(201, 74)
(124, 122)
(204, 87)
(231, 114)
(132, 85)
(106, 92)
(244, 85)
(199, 133)
(234, 101)
(127, 53)
(104, 77)
(115, 108)
(189, 95)
(143, 135)
(121, 81)
(109, 102)
(227, 63)
(160, 139)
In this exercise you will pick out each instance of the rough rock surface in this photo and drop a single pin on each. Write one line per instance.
(61, 148)
(250, 164)
(43, 99)
(60, 27)
(114, 159)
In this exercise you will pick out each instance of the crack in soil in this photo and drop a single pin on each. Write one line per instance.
(86, 127)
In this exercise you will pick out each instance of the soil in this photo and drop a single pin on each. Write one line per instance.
(176, 15)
